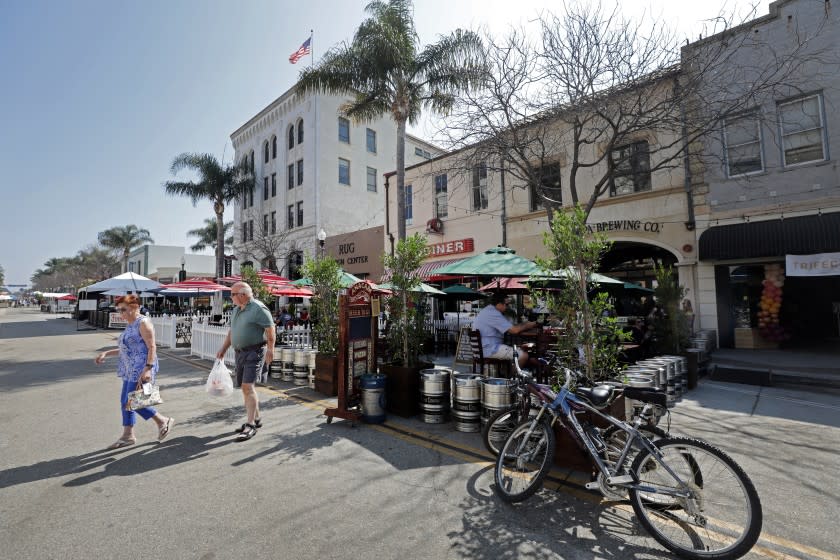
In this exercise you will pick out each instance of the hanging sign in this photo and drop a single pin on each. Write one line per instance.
(821, 264)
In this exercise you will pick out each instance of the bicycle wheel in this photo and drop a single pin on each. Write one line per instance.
(615, 439)
(524, 461)
(721, 519)
(499, 427)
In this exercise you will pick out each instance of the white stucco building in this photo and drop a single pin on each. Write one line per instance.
(164, 262)
(314, 170)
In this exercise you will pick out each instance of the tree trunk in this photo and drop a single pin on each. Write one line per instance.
(220, 239)
(401, 179)
(125, 260)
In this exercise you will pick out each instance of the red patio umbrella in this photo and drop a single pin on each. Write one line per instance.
(266, 276)
(68, 297)
(506, 285)
(288, 289)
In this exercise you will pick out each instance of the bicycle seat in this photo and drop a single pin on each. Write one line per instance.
(597, 396)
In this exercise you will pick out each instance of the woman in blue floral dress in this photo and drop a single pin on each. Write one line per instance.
(137, 361)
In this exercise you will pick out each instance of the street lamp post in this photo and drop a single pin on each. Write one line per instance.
(183, 274)
(322, 237)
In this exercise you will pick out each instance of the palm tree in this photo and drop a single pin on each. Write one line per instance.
(386, 73)
(219, 184)
(125, 239)
(207, 235)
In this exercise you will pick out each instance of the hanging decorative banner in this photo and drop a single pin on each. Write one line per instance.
(821, 264)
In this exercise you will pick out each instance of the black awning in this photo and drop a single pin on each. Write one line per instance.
(802, 235)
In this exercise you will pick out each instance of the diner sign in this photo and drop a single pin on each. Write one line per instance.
(820, 264)
(626, 225)
(451, 247)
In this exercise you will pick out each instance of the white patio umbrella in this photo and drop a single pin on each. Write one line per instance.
(127, 282)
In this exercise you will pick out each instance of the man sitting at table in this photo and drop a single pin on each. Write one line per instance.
(493, 325)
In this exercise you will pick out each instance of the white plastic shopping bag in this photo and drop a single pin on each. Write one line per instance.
(219, 382)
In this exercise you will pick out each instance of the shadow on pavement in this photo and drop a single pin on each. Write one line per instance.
(169, 453)
(492, 529)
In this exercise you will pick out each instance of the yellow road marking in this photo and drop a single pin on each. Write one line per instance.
(444, 446)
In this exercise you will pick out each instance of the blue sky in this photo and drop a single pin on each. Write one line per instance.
(98, 97)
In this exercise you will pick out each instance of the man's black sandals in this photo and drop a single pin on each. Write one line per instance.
(248, 431)
(241, 429)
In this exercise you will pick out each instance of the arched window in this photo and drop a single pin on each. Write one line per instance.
(300, 131)
(295, 263)
(274, 147)
(265, 152)
(252, 161)
(291, 136)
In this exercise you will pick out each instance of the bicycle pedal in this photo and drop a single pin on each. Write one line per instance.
(623, 479)
(591, 486)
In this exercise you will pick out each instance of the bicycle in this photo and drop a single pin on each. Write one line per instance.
(689, 495)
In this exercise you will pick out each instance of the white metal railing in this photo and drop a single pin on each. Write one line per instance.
(298, 335)
(206, 341)
(452, 325)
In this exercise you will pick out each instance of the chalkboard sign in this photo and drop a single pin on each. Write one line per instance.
(463, 352)
(360, 328)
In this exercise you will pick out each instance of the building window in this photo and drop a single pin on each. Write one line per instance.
(371, 179)
(441, 197)
(300, 214)
(291, 138)
(265, 152)
(250, 230)
(548, 178)
(245, 201)
(273, 222)
(274, 147)
(300, 131)
(479, 187)
(274, 184)
(803, 132)
(265, 224)
(300, 172)
(343, 130)
(251, 198)
(742, 137)
(371, 141)
(409, 205)
(265, 188)
(252, 162)
(291, 179)
(343, 171)
(295, 264)
(422, 153)
(631, 168)
(244, 232)
(290, 216)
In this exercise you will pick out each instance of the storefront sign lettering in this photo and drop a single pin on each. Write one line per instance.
(451, 247)
(626, 225)
(821, 264)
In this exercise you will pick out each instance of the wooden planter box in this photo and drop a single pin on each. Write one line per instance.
(326, 374)
(402, 389)
(749, 338)
(567, 453)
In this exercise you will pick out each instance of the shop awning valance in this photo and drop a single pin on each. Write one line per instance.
(802, 235)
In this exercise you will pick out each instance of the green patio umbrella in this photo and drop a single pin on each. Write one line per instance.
(346, 279)
(423, 288)
(555, 278)
(459, 292)
(498, 261)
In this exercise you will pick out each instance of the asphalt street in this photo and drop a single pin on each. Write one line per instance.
(305, 489)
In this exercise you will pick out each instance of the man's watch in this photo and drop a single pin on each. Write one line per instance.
(150, 365)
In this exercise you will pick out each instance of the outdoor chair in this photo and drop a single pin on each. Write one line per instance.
(443, 345)
(479, 359)
(183, 332)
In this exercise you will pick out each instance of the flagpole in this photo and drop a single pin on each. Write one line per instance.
(311, 48)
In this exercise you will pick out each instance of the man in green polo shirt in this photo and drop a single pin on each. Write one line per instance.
(252, 335)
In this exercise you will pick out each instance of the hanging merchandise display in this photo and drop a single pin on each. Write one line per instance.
(769, 325)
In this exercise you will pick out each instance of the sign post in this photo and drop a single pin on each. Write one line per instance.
(357, 332)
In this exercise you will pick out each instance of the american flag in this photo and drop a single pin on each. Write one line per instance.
(301, 52)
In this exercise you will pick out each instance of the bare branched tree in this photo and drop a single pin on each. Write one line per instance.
(601, 102)
(270, 244)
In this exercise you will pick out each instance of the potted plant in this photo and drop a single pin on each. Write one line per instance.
(324, 274)
(592, 336)
(406, 333)
(670, 326)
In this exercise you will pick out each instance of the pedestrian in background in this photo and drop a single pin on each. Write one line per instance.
(252, 336)
(137, 362)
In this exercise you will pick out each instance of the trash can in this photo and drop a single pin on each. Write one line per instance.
(373, 397)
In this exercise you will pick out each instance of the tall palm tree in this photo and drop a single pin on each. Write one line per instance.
(208, 236)
(386, 73)
(125, 239)
(219, 184)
